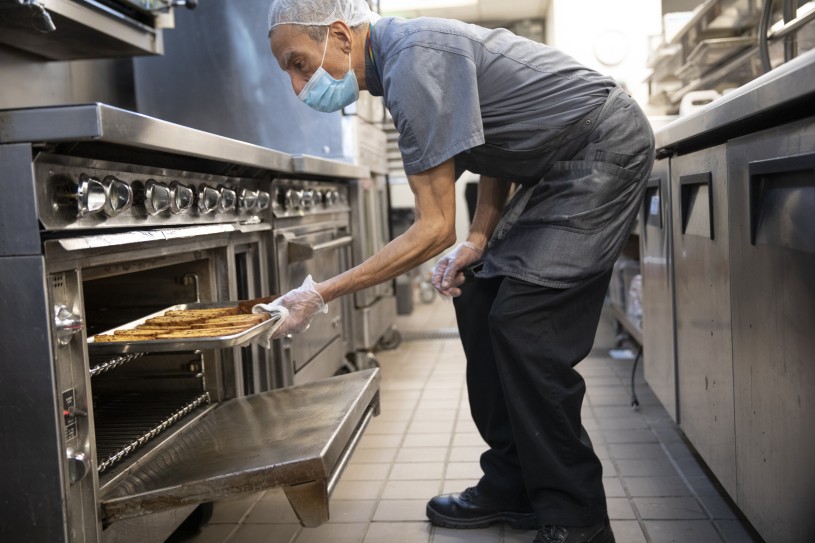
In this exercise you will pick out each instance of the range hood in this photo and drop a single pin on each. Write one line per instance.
(87, 29)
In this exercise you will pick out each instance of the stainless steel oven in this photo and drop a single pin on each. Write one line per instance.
(114, 216)
(312, 237)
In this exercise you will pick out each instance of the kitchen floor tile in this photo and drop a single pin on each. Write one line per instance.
(431, 427)
(466, 454)
(426, 440)
(272, 508)
(400, 510)
(357, 490)
(386, 427)
(669, 485)
(366, 472)
(335, 533)
(463, 470)
(351, 510)
(485, 535)
(374, 455)
(422, 454)
(628, 531)
(417, 471)
(620, 509)
(649, 467)
(425, 443)
(681, 531)
(613, 487)
(371, 441)
(398, 532)
(234, 510)
(669, 508)
(411, 490)
(265, 533)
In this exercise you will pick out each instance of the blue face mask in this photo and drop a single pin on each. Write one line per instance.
(326, 94)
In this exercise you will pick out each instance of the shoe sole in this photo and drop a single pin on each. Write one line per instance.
(518, 521)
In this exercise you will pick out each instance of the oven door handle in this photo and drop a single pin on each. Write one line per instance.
(299, 252)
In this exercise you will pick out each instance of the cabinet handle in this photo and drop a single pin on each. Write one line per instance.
(691, 189)
(782, 202)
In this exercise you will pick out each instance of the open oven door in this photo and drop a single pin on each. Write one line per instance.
(299, 438)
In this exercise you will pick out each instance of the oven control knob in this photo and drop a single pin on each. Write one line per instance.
(79, 465)
(182, 198)
(330, 198)
(119, 196)
(91, 195)
(208, 199)
(308, 199)
(247, 198)
(264, 200)
(66, 323)
(296, 199)
(156, 197)
(284, 197)
(228, 201)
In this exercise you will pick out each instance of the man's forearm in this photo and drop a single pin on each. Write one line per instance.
(433, 231)
(401, 255)
(492, 197)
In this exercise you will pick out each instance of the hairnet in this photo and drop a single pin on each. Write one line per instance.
(320, 12)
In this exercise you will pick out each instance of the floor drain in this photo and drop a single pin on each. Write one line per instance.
(428, 335)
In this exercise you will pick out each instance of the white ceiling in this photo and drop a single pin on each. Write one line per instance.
(470, 11)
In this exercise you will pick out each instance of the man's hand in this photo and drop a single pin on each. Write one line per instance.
(448, 275)
(302, 305)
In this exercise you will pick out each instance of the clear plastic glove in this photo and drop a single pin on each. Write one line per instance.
(448, 274)
(301, 305)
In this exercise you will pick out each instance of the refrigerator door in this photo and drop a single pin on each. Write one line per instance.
(659, 347)
(703, 321)
(772, 205)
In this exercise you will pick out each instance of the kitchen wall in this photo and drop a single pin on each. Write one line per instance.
(611, 37)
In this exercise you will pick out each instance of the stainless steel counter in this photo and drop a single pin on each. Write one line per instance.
(783, 87)
(107, 124)
(312, 165)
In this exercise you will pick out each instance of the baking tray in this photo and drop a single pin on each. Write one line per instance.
(169, 345)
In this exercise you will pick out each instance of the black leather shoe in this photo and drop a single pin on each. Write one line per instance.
(596, 533)
(470, 510)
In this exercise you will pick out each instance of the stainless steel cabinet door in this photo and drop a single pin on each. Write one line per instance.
(772, 204)
(659, 353)
(703, 334)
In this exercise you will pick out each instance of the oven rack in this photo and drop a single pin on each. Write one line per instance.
(114, 362)
(129, 421)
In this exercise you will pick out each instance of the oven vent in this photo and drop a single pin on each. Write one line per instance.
(58, 281)
(114, 363)
(129, 421)
(429, 335)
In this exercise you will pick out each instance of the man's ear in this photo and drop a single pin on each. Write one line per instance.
(343, 33)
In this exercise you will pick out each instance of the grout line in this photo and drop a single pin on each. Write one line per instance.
(623, 484)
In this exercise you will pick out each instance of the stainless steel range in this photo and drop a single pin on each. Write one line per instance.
(312, 237)
(114, 216)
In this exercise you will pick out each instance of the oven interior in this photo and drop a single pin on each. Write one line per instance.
(138, 397)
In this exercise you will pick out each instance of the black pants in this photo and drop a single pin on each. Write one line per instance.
(522, 342)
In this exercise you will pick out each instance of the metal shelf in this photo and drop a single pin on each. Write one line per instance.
(620, 316)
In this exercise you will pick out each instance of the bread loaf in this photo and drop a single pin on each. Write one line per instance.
(203, 332)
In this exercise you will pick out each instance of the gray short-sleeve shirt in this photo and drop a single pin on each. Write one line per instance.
(460, 90)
